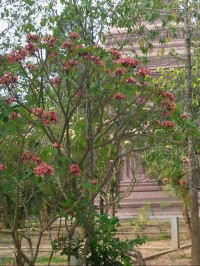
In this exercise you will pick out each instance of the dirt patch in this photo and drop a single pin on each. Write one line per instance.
(179, 257)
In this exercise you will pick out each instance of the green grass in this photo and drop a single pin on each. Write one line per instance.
(5, 261)
(5, 241)
(42, 260)
(157, 238)
(45, 259)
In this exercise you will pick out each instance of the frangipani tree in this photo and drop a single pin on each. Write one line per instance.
(66, 110)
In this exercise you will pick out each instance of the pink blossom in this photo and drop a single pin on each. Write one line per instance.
(46, 122)
(16, 56)
(56, 81)
(119, 96)
(158, 122)
(119, 71)
(75, 169)
(29, 156)
(57, 145)
(37, 111)
(168, 124)
(183, 182)
(2, 167)
(78, 94)
(184, 170)
(14, 115)
(31, 48)
(108, 71)
(52, 117)
(50, 40)
(48, 117)
(36, 159)
(43, 169)
(74, 35)
(94, 182)
(143, 72)
(169, 95)
(8, 78)
(185, 160)
(67, 44)
(31, 67)
(115, 54)
(168, 103)
(70, 64)
(184, 115)
(131, 80)
(32, 38)
(10, 100)
(128, 62)
(100, 63)
(52, 54)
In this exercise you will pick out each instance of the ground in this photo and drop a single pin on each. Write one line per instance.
(158, 240)
(178, 257)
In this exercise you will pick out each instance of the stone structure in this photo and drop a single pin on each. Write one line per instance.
(146, 190)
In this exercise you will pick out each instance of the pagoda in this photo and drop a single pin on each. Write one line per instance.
(136, 188)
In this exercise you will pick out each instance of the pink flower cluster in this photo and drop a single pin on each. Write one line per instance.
(29, 156)
(70, 64)
(32, 38)
(75, 169)
(56, 82)
(185, 160)
(67, 44)
(10, 100)
(31, 67)
(78, 94)
(169, 95)
(131, 80)
(14, 115)
(44, 169)
(30, 48)
(50, 41)
(168, 124)
(2, 167)
(8, 78)
(57, 145)
(183, 182)
(97, 60)
(16, 56)
(48, 117)
(168, 103)
(119, 71)
(143, 72)
(115, 54)
(184, 115)
(119, 96)
(74, 35)
(128, 62)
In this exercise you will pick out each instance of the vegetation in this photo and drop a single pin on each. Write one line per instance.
(75, 112)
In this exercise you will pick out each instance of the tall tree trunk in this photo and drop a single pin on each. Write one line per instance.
(193, 171)
(186, 216)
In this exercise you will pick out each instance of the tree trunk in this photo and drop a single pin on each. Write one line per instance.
(193, 171)
(187, 219)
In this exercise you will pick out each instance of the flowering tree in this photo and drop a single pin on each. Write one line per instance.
(67, 109)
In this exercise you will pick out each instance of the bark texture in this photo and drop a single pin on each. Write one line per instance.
(193, 171)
